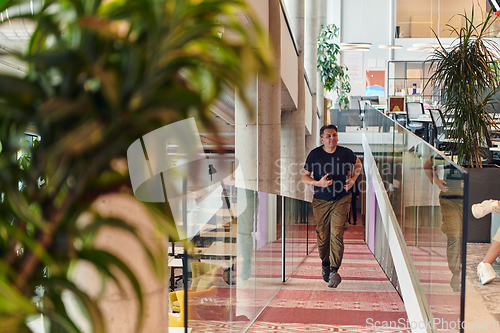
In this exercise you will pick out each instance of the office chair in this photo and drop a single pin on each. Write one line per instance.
(372, 99)
(440, 135)
(414, 110)
(361, 105)
(486, 153)
(195, 299)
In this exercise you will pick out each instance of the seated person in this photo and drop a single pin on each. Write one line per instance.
(485, 272)
(214, 275)
(220, 306)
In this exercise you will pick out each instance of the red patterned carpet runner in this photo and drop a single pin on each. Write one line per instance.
(365, 301)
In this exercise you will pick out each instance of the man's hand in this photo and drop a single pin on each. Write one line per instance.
(323, 182)
(349, 183)
(440, 183)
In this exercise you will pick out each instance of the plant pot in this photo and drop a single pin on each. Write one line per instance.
(483, 185)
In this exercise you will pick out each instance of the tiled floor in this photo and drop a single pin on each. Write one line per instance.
(482, 302)
(363, 301)
(365, 295)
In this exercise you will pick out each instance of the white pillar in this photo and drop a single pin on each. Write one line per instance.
(293, 121)
(257, 136)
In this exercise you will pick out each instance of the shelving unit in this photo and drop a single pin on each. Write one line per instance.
(408, 79)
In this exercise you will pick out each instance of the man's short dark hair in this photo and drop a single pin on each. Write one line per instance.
(327, 127)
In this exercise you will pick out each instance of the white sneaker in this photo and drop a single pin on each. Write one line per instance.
(485, 272)
(484, 208)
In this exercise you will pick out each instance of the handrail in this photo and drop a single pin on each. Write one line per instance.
(414, 167)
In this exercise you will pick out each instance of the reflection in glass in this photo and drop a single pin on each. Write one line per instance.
(426, 191)
(450, 187)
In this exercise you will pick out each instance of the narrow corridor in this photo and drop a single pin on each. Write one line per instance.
(365, 301)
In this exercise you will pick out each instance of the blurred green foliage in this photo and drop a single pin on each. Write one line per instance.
(101, 74)
(333, 75)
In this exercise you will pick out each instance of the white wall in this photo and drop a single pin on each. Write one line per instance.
(289, 63)
(308, 109)
(411, 15)
(366, 21)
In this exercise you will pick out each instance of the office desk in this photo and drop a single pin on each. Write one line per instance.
(396, 113)
(221, 249)
(398, 116)
(174, 263)
(426, 121)
(382, 108)
(218, 251)
(496, 152)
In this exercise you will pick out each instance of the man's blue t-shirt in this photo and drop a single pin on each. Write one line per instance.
(320, 163)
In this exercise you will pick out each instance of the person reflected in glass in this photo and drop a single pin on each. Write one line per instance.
(247, 224)
(354, 198)
(326, 168)
(451, 202)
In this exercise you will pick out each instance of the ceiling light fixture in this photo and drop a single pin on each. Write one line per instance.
(351, 48)
(361, 46)
(393, 47)
(357, 44)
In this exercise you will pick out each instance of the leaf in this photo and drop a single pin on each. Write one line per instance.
(102, 74)
(59, 315)
(468, 79)
(332, 74)
(104, 259)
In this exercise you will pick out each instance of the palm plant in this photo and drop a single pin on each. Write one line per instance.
(100, 75)
(467, 74)
(332, 74)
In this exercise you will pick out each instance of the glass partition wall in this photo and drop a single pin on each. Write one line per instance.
(253, 243)
(299, 234)
(256, 240)
(424, 192)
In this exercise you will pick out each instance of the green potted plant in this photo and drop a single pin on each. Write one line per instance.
(333, 75)
(101, 74)
(467, 75)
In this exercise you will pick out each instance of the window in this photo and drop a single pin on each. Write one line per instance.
(416, 18)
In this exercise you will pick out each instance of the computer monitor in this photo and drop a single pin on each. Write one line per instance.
(373, 99)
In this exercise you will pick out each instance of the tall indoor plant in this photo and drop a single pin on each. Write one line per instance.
(467, 75)
(101, 74)
(333, 75)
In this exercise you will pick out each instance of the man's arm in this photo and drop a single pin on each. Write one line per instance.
(306, 179)
(355, 173)
(431, 173)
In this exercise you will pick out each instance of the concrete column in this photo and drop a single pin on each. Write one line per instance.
(392, 24)
(310, 42)
(319, 85)
(310, 48)
(257, 141)
(270, 112)
(311, 143)
(293, 121)
(310, 52)
(245, 141)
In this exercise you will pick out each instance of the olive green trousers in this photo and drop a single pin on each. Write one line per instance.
(452, 214)
(331, 219)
